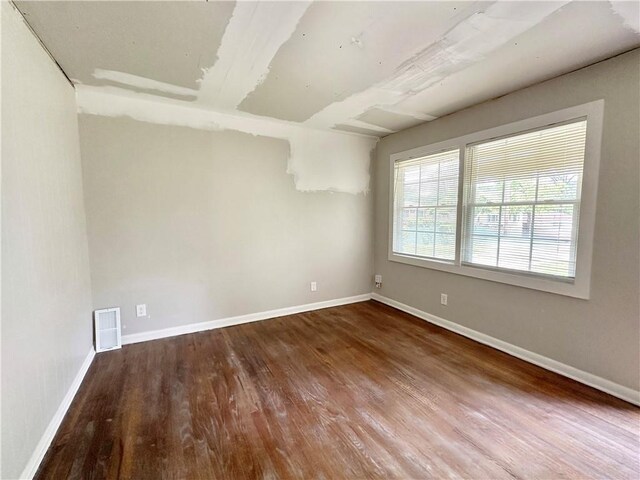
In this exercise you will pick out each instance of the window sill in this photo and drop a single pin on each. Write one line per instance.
(570, 288)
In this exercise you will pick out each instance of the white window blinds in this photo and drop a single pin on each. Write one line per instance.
(425, 205)
(522, 200)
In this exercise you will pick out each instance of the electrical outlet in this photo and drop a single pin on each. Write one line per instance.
(314, 286)
(443, 299)
(378, 279)
(141, 310)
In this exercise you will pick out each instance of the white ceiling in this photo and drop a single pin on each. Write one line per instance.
(366, 67)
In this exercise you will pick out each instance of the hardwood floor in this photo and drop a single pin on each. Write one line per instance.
(359, 391)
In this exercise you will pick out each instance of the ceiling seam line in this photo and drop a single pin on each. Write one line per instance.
(44, 47)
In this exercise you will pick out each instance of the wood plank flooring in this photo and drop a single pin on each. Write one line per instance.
(358, 391)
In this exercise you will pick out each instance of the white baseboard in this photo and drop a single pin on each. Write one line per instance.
(229, 321)
(47, 437)
(599, 383)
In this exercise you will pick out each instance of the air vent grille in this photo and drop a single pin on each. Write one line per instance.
(107, 328)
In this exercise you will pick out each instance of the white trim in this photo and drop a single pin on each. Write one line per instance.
(599, 383)
(50, 432)
(578, 288)
(240, 319)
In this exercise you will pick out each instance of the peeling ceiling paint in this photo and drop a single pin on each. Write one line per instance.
(545, 51)
(465, 44)
(340, 49)
(321, 75)
(330, 65)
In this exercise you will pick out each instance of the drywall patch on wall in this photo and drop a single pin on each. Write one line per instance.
(319, 160)
(629, 11)
(322, 160)
(253, 36)
(465, 44)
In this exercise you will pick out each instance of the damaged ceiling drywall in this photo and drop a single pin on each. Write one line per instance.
(367, 67)
(350, 70)
(341, 49)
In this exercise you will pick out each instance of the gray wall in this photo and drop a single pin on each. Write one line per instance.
(46, 293)
(600, 335)
(203, 225)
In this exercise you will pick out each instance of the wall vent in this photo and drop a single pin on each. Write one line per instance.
(107, 327)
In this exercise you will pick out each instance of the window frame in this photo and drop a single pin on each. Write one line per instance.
(439, 148)
(578, 287)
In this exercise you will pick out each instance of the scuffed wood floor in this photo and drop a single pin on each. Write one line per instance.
(359, 391)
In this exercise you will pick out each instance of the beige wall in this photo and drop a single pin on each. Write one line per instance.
(46, 295)
(203, 225)
(600, 336)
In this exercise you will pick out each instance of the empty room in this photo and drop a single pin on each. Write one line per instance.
(320, 240)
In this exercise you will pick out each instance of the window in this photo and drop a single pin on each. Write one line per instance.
(514, 204)
(522, 199)
(426, 202)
